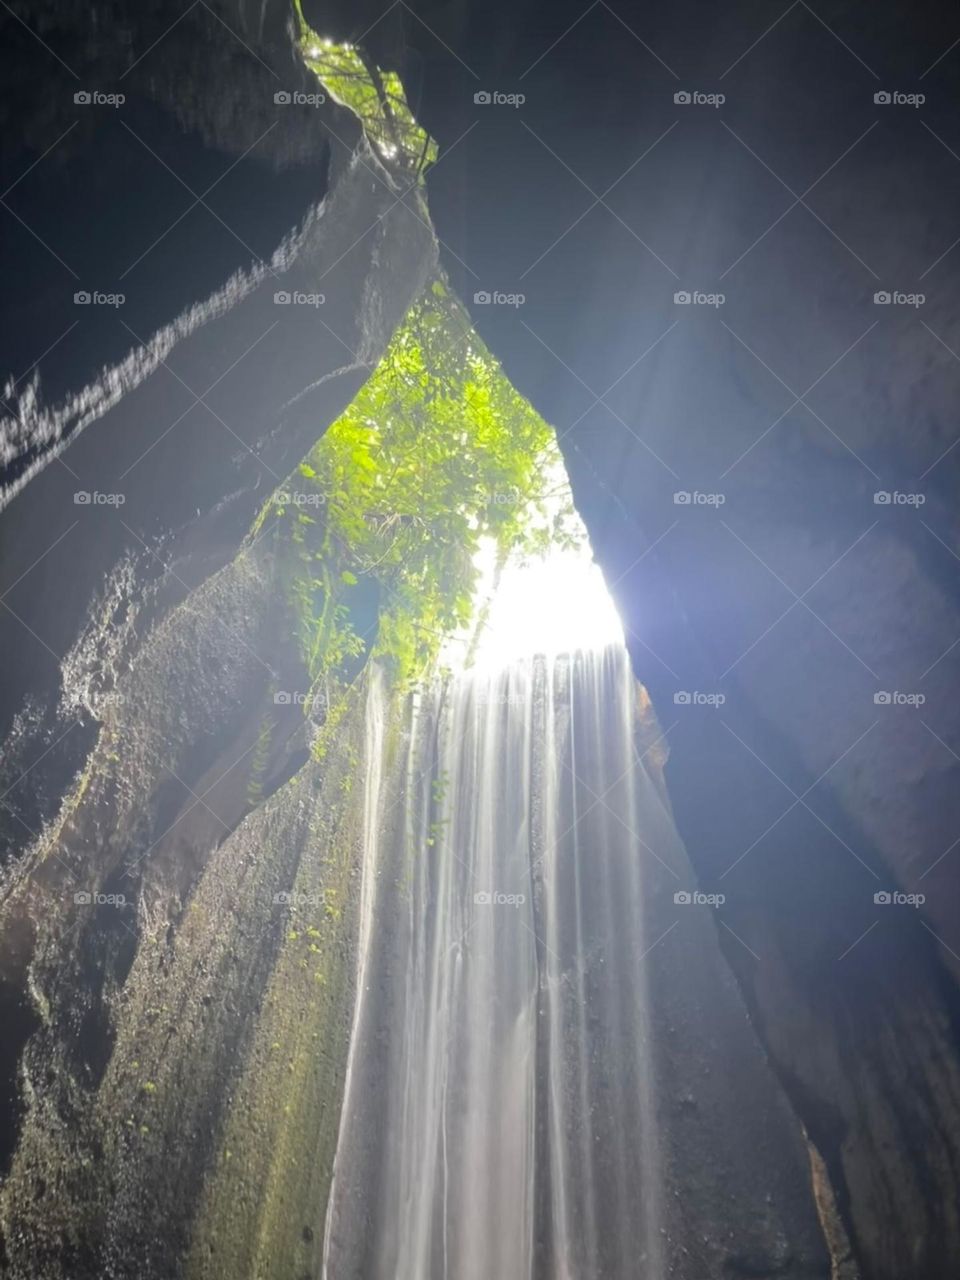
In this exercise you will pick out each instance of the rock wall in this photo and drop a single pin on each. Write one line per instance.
(763, 450)
(183, 936)
(166, 923)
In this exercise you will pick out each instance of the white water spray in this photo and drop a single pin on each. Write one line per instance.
(498, 1118)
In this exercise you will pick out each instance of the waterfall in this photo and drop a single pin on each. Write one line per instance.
(498, 1114)
(551, 1073)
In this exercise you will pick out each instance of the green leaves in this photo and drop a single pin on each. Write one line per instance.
(437, 452)
(375, 97)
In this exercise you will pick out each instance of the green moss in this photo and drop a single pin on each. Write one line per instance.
(327, 735)
(283, 1120)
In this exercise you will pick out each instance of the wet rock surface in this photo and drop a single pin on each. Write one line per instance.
(799, 598)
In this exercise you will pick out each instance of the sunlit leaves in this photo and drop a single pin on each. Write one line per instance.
(375, 97)
(436, 452)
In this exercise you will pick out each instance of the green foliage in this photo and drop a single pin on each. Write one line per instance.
(437, 452)
(375, 97)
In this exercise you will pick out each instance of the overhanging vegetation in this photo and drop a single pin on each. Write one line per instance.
(375, 97)
(437, 452)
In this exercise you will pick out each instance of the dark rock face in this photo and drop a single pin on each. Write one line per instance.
(770, 484)
(796, 400)
(226, 376)
(146, 964)
(190, 964)
(177, 172)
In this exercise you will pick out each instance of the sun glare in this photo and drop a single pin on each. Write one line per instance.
(552, 604)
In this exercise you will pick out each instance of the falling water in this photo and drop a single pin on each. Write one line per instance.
(499, 1114)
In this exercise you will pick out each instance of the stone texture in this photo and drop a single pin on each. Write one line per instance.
(799, 598)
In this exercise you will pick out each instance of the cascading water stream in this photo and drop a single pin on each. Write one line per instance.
(499, 1117)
